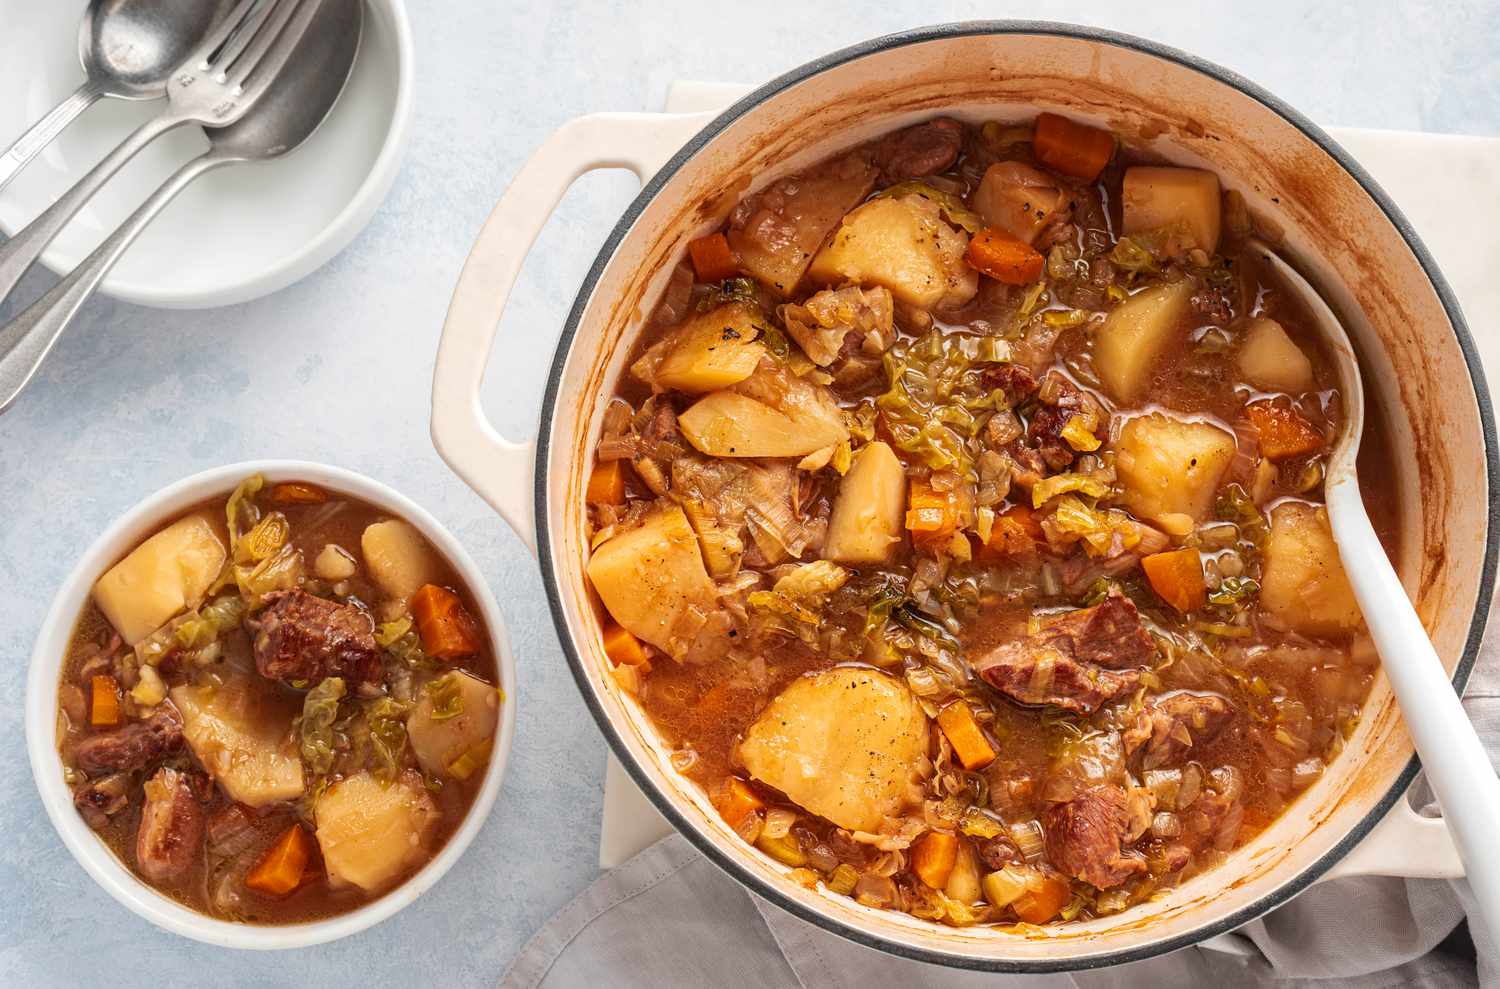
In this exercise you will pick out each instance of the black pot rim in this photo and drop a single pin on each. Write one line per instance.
(583, 678)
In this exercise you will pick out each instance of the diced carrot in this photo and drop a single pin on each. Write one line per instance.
(965, 735)
(933, 857)
(1015, 532)
(995, 253)
(607, 484)
(1177, 576)
(445, 625)
(104, 706)
(1040, 904)
(1283, 431)
(713, 261)
(1072, 148)
(281, 869)
(738, 802)
(298, 493)
(929, 512)
(622, 647)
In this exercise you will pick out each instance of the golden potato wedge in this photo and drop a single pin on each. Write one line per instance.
(238, 732)
(398, 558)
(372, 833)
(162, 577)
(651, 576)
(1017, 199)
(904, 245)
(772, 413)
(438, 741)
(1171, 466)
(1153, 197)
(865, 525)
(1303, 587)
(1270, 360)
(1136, 333)
(713, 350)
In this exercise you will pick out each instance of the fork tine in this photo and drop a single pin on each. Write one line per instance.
(265, 22)
(274, 46)
(223, 31)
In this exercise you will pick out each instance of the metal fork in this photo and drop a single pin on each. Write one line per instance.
(219, 81)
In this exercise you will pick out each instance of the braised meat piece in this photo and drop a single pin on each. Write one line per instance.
(299, 636)
(1061, 401)
(1078, 661)
(171, 831)
(132, 747)
(1167, 727)
(916, 152)
(1085, 835)
(99, 800)
(1012, 378)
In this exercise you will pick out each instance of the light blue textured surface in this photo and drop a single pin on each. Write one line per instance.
(338, 369)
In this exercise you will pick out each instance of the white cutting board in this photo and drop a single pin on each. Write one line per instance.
(1448, 186)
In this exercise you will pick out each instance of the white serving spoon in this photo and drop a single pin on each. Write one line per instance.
(1456, 764)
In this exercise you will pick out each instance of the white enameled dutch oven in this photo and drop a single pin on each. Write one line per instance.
(52, 648)
(1328, 216)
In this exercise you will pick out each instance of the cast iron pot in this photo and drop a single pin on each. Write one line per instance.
(1329, 217)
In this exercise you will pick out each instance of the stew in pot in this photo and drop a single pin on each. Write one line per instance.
(959, 522)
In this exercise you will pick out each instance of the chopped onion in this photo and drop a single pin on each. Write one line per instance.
(1027, 837)
(1192, 785)
(779, 821)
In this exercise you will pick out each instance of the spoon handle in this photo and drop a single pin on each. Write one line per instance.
(41, 133)
(1457, 766)
(18, 253)
(25, 340)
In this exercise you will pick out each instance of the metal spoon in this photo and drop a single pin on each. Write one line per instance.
(1456, 764)
(129, 49)
(280, 121)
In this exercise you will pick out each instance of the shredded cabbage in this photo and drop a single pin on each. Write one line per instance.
(952, 206)
(386, 720)
(1050, 487)
(937, 400)
(1096, 528)
(320, 709)
(447, 696)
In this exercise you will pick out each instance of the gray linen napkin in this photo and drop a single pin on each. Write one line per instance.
(670, 918)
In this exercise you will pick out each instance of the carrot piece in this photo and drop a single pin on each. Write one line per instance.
(281, 869)
(1072, 148)
(713, 261)
(995, 253)
(933, 858)
(446, 628)
(929, 512)
(1283, 431)
(298, 493)
(607, 484)
(1041, 904)
(1177, 577)
(104, 706)
(622, 647)
(1015, 532)
(965, 735)
(738, 802)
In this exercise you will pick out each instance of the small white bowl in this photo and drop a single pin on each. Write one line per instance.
(51, 647)
(235, 234)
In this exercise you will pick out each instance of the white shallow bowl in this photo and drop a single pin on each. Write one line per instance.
(51, 648)
(235, 234)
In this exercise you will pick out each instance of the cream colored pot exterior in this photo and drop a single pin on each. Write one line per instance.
(1327, 216)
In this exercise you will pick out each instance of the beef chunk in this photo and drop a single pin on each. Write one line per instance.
(171, 830)
(299, 636)
(925, 149)
(1085, 836)
(1014, 379)
(1214, 819)
(99, 800)
(1051, 417)
(1212, 305)
(1169, 726)
(1078, 661)
(132, 747)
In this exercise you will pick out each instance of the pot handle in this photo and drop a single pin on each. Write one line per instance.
(1404, 844)
(501, 470)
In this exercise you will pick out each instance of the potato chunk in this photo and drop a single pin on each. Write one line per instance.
(438, 741)
(710, 351)
(866, 521)
(772, 413)
(1303, 586)
(241, 733)
(776, 231)
(398, 558)
(1136, 333)
(904, 245)
(652, 578)
(165, 575)
(1154, 197)
(1270, 360)
(1171, 466)
(373, 833)
(1018, 199)
(844, 743)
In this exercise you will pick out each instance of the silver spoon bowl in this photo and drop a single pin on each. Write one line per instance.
(129, 49)
(279, 122)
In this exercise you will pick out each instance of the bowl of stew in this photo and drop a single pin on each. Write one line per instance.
(928, 488)
(271, 705)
